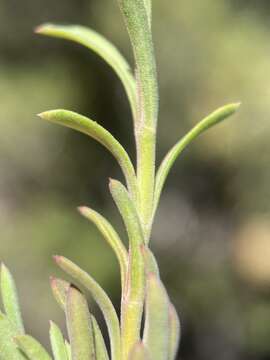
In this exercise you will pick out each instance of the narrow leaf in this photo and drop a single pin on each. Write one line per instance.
(10, 299)
(174, 332)
(57, 343)
(137, 21)
(31, 348)
(8, 348)
(139, 352)
(111, 237)
(97, 132)
(133, 299)
(100, 297)
(211, 120)
(102, 47)
(79, 326)
(148, 6)
(60, 289)
(156, 331)
(68, 349)
(151, 265)
(101, 351)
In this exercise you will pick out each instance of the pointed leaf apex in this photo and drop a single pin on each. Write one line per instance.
(57, 258)
(43, 29)
(83, 210)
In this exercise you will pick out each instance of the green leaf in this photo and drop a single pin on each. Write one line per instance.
(8, 348)
(111, 237)
(100, 297)
(105, 49)
(68, 347)
(156, 330)
(137, 23)
(174, 332)
(31, 348)
(148, 6)
(10, 299)
(211, 120)
(101, 351)
(60, 289)
(133, 298)
(139, 352)
(57, 343)
(79, 326)
(151, 265)
(97, 132)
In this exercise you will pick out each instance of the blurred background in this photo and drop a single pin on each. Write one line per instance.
(212, 232)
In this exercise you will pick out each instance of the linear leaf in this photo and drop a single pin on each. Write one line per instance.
(174, 332)
(79, 326)
(151, 265)
(111, 237)
(60, 288)
(101, 351)
(31, 348)
(100, 45)
(68, 349)
(156, 330)
(133, 299)
(139, 352)
(148, 6)
(8, 348)
(100, 297)
(137, 22)
(211, 120)
(10, 299)
(57, 343)
(97, 132)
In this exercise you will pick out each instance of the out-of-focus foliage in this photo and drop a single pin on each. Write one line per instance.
(209, 53)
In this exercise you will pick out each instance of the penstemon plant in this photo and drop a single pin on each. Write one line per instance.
(154, 336)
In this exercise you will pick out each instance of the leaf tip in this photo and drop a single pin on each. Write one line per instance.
(42, 29)
(57, 258)
(83, 210)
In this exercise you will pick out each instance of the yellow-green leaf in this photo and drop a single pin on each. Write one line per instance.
(104, 48)
(100, 297)
(111, 236)
(10, 299)
(79, 326)
(93, 129)
(156, 329)
(31, 348)
(211, 120)
(57, 343)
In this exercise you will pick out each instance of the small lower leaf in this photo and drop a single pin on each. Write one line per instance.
(8, 348)
(156, 330)
(110, 236)
(132, 301)
(79, 326)
(174, 332)
(57, 343)
(139, 352)
(10, 299)
(101, 351)
(68, 347)
(60, 288)
(102, 300)
(31, 348)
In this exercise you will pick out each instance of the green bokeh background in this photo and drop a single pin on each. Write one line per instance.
(209, 53)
